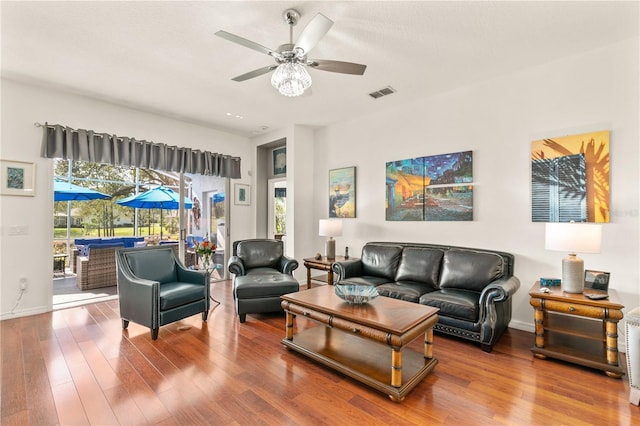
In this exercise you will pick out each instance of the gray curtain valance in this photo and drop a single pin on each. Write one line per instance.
(87, 145)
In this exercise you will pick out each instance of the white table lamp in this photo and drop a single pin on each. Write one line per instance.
(573, 238)
(330, 228)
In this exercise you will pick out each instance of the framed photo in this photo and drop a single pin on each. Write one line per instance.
(242, 194)
(596, 280)
(342, 192)
(279, 161)
(17, 178)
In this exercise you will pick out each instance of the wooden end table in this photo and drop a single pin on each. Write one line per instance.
(574, 328)
(322, 264)
(365, 342)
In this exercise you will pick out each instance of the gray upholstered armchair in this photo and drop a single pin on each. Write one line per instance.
(156, 289)
(262, 274)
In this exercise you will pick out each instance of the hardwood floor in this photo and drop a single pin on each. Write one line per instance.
(77, 366)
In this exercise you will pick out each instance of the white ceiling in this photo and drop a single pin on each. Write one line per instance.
(163, 57)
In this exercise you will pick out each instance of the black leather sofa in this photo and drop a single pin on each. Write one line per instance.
(472, 287)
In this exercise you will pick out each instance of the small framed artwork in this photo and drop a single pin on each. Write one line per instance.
(342, 192)
(596, 280)
(280, 161)
(18, 178)
(242, 194)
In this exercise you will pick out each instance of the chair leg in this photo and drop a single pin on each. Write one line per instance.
(154, 333)
(243, 317)
(125, 324)
(205, 314)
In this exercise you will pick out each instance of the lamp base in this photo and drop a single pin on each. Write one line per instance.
(572, 274)
(330, 248)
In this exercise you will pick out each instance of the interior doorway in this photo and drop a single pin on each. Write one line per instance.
(277, 208)
(215, 215)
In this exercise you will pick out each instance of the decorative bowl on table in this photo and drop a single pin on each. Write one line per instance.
(356, 294)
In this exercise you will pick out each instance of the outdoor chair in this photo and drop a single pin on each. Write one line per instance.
(156, 289)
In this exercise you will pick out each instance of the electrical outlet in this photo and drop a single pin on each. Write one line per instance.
(23, 283)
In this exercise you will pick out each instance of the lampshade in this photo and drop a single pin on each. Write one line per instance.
(573, 237)
(330, 228)
(291, 79)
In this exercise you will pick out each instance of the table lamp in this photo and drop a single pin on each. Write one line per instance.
(573, 238)
(330, 228)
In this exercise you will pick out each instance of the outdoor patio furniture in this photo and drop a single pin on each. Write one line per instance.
(98, 269)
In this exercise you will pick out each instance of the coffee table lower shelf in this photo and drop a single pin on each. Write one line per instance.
(366, 361)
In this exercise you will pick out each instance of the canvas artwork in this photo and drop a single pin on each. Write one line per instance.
(570, 178)
(449, 203)
(430, 188)
(342, 192)
(280, 161)
(17, 178)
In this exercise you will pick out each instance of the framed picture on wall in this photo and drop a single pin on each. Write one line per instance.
(342, 192)
(17, 178)
(279, 158)
(242, 194)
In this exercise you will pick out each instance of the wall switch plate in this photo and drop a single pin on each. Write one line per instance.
(18, 230)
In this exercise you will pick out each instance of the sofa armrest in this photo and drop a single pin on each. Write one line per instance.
(499, 290)
(288, 265)
(495, 310)
(236, 266)
(347, 269)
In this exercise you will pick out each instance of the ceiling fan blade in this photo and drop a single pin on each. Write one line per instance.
(255, 73)
(337, 66)
(244, 42)
(313, 32)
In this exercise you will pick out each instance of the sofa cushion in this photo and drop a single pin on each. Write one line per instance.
(155, 265)
(174, 294)
(380, 261)
(461, 304)
(421, 265)
(470, 270)
(405, 290)
(256, 254)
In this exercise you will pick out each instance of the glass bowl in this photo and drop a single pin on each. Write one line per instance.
(356, 294)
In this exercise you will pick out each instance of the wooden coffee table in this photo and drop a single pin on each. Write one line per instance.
(364, 342)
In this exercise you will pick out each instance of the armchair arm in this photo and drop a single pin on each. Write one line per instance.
(139, 298)
(288, 265)
(236, 266)
(192, 276)
(347, 269)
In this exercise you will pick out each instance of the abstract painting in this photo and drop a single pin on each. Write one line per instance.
(342, 192)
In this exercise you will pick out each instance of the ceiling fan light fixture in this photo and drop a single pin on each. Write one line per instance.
(291, 79)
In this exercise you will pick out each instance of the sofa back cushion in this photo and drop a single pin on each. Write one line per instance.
(260, 253)
(380, 260)
(153, 264)
(420, 265)
(470, 270)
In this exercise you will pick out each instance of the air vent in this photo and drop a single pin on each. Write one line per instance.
(382, 92)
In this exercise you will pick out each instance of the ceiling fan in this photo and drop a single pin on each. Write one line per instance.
(290, 76)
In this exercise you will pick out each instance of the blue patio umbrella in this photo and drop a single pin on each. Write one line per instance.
(65, 191)
(157, 198)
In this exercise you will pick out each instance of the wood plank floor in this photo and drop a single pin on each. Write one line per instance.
(77, 366)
